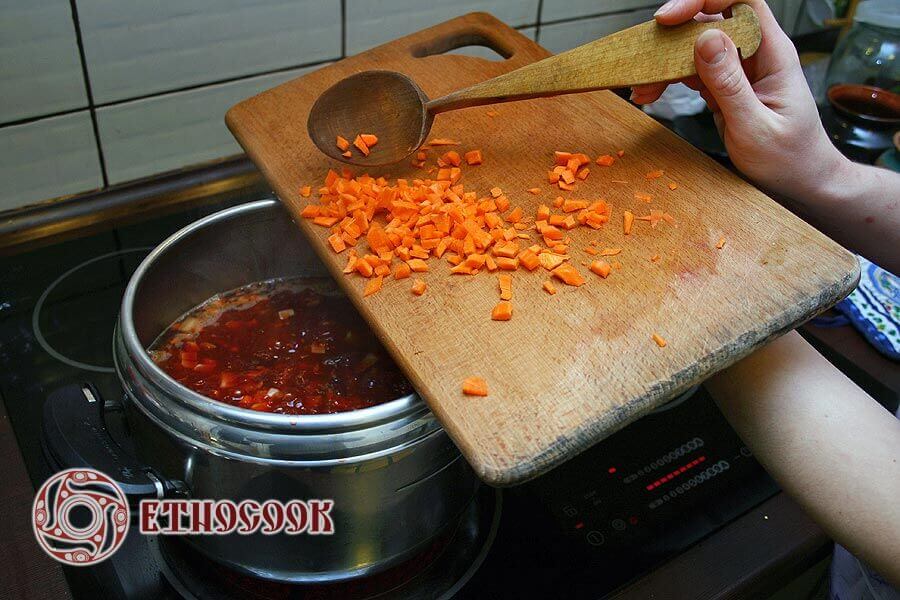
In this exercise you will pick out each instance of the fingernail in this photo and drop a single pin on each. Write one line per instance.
(711, 46)
(665, 8)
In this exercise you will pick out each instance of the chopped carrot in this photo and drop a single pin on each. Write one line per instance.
(591, 251)
(473, 157)
(549, 287)
(361, 145)
(418, 287)
(452, 158)
(659, 340)
(369, 139)
(474, 386)
(673, 185)
(337, 243)
(342, 143)
(505, 282)
(720, 244)
(534, 191)
(325, 221)
(507, 264)
(601, 268)
(655, 174)
(373, 285)
(610, 251)
(568, 275)
(305, 191)
(442, 142)
(606, 160)
(643, 197)
(573, 205)
(347, 154)
(529, 260)
(620, 153)
(628, 217)
(402, 271)
(654, 258)
(417, 265)
(550, 260)
(502, 312)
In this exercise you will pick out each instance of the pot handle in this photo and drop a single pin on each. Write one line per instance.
(75, 435)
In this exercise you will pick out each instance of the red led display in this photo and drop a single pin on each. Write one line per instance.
(611, 470)
(672, 474)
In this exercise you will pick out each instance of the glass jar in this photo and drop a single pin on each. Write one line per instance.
(868, 54)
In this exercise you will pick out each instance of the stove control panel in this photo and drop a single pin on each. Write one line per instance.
(635, 499)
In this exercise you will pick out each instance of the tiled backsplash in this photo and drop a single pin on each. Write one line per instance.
(99, 92)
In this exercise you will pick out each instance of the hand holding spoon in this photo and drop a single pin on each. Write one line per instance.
(391, 106)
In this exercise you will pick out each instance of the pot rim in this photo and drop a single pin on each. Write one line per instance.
(352, 419)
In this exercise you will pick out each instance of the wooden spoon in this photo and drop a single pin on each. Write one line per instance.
(391, 106)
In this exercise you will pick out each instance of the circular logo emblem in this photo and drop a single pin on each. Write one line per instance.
(80, 516)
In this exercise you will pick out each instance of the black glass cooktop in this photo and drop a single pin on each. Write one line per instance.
(584, 530)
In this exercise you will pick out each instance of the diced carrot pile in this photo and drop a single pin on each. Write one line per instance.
(397, 229)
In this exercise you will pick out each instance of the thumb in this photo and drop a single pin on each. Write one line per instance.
(720, 70)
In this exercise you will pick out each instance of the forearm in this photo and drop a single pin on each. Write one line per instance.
(858, 206)
(827, 443)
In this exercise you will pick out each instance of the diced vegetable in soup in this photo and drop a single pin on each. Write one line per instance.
(292, 346)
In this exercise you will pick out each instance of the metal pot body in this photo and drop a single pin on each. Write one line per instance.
(395, 478)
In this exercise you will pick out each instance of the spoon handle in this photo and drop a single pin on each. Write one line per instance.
(645, 53)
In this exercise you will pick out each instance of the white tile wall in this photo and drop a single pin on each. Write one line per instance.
(555, 10)
(568, 35)
(139, 47)
(171, 131)
(48, 158)
(40, 70)
(373, 22)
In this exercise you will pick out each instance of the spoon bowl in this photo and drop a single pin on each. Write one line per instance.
(387, 104)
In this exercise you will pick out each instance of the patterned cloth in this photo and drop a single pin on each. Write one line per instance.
(873, 308)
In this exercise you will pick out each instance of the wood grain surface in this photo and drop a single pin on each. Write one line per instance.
(568, 369)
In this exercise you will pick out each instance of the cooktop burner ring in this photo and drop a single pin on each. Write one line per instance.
(38, 307)
(466, 546)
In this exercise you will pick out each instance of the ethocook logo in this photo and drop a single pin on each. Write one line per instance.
(81, 517)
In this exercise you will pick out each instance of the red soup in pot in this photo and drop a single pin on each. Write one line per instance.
(293, 346)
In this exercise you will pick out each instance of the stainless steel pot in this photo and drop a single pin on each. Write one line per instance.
(395, 477)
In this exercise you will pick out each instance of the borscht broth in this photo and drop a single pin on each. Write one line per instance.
(293, 346)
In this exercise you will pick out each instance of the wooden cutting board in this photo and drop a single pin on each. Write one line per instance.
(572, 368)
